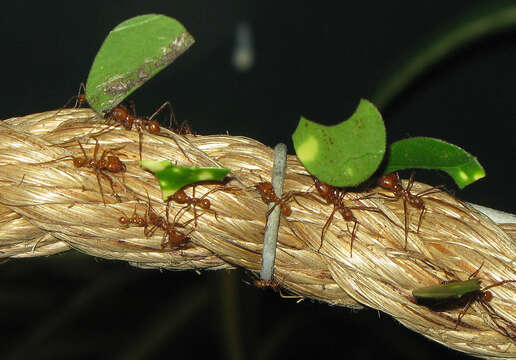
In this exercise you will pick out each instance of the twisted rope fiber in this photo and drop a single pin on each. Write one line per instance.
(48, 206)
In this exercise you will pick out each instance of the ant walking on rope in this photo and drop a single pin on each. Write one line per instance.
(181, 197)
(128, 119)
(172, 236)
(268, 195)
(451, 294)
(392, 183)
(152, 221)
(107, 162)
(333, 195)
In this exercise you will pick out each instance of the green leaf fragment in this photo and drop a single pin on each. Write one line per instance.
(448, 291)
(435, 154)
(345, 154)
(172, 178)
(132, 53)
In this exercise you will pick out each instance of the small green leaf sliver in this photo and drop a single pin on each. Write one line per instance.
(435, 154)
(345, 154)
(172, 178)
(133, 52)
(451, 290)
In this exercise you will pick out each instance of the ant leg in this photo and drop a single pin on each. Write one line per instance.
(83, 151)
(97, 172)
(497, 284)
(149, 233)
(406, 216)
(420, 219)
(476, 271)
(432, 190)
(463, 312)
(80, 99)
(410, 181)
(385, 196)
(132, 106)
(172, 117)
(194, 210)
(326, 226)
(96, 150)
(140, 137)
(353, 234)
(270, 211)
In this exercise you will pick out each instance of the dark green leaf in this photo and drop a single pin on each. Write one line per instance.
(435, 154)
(171, 178)
(132, 53)
(345, 154)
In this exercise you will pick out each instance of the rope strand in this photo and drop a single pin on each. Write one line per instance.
(53, 207)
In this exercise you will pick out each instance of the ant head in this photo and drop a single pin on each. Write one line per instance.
(205, 204)
(263, 187)
(388, 181)
(153, 127)
(322, 188)
(179, 197)
(79, 162)
(487, 296)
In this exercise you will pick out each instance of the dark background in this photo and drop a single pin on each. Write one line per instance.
(310, 59)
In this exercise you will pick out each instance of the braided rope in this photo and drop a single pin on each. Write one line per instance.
(49, 206)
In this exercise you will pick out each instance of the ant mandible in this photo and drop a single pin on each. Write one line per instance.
(121, 114)
(392, 183)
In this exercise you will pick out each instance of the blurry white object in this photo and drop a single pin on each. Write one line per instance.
(243, 53)
(497, 216)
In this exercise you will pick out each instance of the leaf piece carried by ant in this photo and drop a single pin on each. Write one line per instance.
(345, 154)
(453, 294)
(454, 290)
(435, 154)
(133, 52)
(172, 178)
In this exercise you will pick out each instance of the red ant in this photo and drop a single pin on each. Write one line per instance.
(335, 196)
(109, 163)
(80, 99)
(268, 195)
(181, 197)
(135, 219)
(175, 238)
(81, 96)
(482, 296)
(106, 162)
(392, 182)
(121, 114)
(262, 284)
